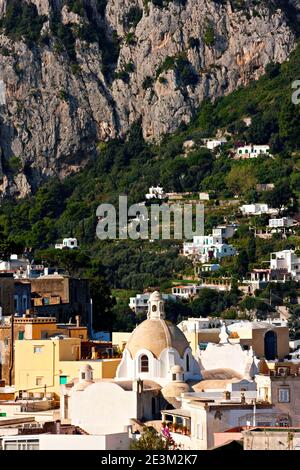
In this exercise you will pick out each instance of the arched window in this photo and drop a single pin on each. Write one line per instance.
(154, 308)
(187, 363)
(270, 345)
(144, 364)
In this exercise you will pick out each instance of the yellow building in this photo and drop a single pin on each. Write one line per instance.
(43, 365)
(120, 339)
(31, 327)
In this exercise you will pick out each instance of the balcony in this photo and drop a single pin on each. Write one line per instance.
(179, 424)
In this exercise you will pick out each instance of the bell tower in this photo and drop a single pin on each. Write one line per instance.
(156, 308)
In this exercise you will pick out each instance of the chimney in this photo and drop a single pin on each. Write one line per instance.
(77, 321)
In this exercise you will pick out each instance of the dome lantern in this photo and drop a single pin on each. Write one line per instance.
(156, 310)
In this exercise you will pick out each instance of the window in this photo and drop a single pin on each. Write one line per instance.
(282, 371)
(39, 381)
(144, 363)
(284, 395)
(38, 349)
(284, 423)
(21, 335)
(24, 444)
(6, 341)
(154, 308)
(82, 375)
(63, 379)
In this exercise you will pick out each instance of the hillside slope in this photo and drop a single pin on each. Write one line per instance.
(76, 72)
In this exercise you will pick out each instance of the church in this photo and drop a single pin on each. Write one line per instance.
(157, 367)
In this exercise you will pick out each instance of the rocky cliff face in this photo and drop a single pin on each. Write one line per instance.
(85, 70)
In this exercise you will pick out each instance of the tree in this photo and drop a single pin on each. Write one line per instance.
(242, 263)
(8, 247)
(294, 323)
(150, 440)
(240, 179)
(72, 261)
(251, 250)
(174, 310)
(280, 195)
(124, 318)
(103, 302)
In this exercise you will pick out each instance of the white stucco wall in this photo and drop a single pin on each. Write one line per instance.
(118, 441)
(102, 407)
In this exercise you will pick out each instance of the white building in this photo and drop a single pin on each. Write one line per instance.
(208, 247)
(253, 151)
(140, 303)
(157, 362)
(286, 261)
(193, 325)
(230, 359)
(106, 441)
(225, 231)
(186, 291)
(281, 223)
(155, 193)
(212, 144)
(69, 243)
(208, 268)
(226, 397)
(204, 196)
(260, 277)
(154, 347)
(205, 417)
(257, 209)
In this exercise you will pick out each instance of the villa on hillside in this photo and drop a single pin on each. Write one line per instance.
(252, 151)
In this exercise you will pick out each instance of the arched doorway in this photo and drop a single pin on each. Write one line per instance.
(153, 407)
(270, 345)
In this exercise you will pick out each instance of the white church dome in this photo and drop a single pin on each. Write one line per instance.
(156, 333)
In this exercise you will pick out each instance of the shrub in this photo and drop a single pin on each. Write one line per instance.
(122, 75)
(130, 39)
(147, 82)
(14, 164)
(209, 35)
(22, 21)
